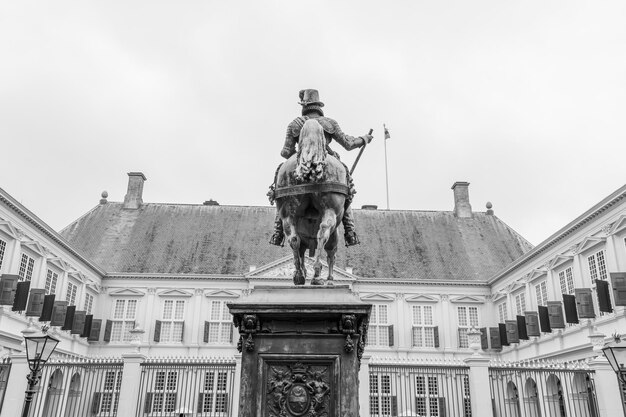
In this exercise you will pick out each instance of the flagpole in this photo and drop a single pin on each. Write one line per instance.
(386, 174)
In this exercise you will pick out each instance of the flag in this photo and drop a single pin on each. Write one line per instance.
(387, 135)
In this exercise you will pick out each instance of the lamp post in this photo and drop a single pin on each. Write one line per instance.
(38, 351)
(617, 358)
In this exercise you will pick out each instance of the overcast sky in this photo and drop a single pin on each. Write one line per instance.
(525, 100)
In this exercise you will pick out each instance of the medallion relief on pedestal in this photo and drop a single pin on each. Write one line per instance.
(298, 390)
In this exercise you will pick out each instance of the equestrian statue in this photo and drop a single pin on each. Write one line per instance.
(313, 189)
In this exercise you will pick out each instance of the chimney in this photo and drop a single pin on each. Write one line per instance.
(133, 199)
(462, 207)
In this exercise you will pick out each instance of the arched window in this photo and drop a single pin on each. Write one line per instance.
(54, 394)
(531, 399)
(555, 400)
(73, 396)
(512, 400)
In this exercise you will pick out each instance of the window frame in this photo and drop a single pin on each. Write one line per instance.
(169, 326)
(124, 323)
(379, 329)
(463, 342)
(423, 326)
(26, 269)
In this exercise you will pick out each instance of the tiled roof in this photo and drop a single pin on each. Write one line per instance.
(199, 239)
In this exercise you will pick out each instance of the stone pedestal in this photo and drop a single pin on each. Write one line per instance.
(301, 350)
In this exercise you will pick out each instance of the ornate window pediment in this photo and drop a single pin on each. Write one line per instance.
(560, 260)
(174, 293)
(422, 298)
(536, 273)
(467, 299)
(34, 247)
(619, 225)
(377, 297)
(221, 294)
(8, 229)
(590, 242)
(59, 263)
(127, 292)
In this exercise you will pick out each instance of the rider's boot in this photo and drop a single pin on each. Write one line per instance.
(348, 227)
(279, 235)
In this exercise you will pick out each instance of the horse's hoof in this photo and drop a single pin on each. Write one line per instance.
(298, 278)
(317, 281)
(329, 282)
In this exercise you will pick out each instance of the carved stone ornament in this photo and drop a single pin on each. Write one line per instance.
(360, 348)
(248, 324)
(606, 229)
(298, 390)
(348, 324)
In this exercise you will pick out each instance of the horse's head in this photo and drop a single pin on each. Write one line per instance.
(311, 152)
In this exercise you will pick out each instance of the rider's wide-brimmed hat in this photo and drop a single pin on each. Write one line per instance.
(310, 97)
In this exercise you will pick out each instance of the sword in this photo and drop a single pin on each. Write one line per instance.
(356, 161)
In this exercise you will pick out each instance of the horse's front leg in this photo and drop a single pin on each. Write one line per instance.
(327, 225)
(331, 251)
(294, 242)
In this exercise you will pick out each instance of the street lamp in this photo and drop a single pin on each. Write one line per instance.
(38, 351)
(617, 359)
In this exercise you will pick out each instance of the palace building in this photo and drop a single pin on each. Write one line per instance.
(467, 316)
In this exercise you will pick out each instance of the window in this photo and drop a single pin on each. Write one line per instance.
(214, 396)
(27, 265)
(88, 303)
(70, 295)
(541, 291)
(597, 266)
(380, 333)
(172, 324)
(566, 279)
(106, 401)
(427, 400)
(219, 327)
(520, 303)
(51, 282)
(162, 398)
(467, 317)
(467, 402)
(382, 402)
(3, 247)
(423, 328)
(123, 320)
(503, 313)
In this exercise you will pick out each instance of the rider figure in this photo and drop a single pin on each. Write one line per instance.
(312, 109)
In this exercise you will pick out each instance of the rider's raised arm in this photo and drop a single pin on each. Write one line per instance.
(347, 141)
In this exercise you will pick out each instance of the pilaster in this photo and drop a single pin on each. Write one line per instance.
(364, 386)
(607, 388)
(480, 394)
(131, 381)
(16, 386)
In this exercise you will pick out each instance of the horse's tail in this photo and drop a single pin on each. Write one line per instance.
(311, 153)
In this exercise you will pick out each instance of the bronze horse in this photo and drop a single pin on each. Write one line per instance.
(311, 191)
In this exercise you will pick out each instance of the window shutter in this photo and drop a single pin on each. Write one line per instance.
(484, 340)
(87, 327)
(494, 338)
(8, 287)
(544, 319)
(78, 324)
(442, 406)
(107, 330)
(569, 302)
(555, 314)
(182, 333)
(95, 403)
(584, 303)
(503, 338)
(59, 311)
(390, 328)
(201, 397)
(532, 323)
(21, 296)
(604, 299)
(35, 302)
(94, 333)
(232, 330)
(394, 404)
(69, 318)
(48, 305)
(147, 404)
(521, 328)
(512, 335)
(206, 332)
(618, 280)
(157, 331)
(436, 336)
